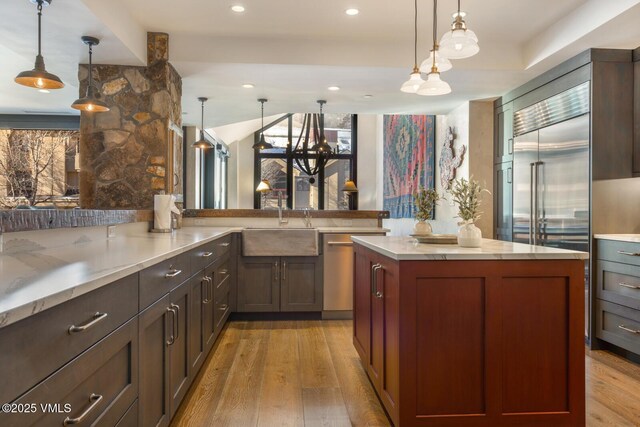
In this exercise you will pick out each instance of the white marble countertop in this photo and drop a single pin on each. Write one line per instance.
(33, 278)
(403, 248)
(633, 238)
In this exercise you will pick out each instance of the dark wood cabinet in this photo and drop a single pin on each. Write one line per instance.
(503, 201)
(99, 386)
(273, 284)
(300, 284)
(472, 343)
(636, 113)
(503, 134)
(165, 373)
(156, 332)
(259, 284)
(197, 310)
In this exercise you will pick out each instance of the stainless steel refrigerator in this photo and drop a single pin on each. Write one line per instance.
(551, 178)
(551, 172)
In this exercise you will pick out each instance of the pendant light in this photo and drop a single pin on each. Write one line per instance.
(264, 186)
(460, 42)
(350, 187)
(415, 80)
(39, 78)
(203, 143)
(91, 102)
(434, 85)
(261, 144)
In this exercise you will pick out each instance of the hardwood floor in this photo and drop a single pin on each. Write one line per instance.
(307, 373)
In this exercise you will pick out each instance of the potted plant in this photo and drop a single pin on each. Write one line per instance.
(467, 194)
(425, 201)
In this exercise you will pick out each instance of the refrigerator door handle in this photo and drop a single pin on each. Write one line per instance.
(538, 234)
(531, 196)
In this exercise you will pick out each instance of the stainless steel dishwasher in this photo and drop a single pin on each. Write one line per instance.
(338, 275)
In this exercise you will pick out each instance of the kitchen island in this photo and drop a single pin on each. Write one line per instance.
(489, 336)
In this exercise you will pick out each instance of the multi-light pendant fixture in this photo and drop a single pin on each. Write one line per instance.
(91, 102)
(39, 77)
(458, 43)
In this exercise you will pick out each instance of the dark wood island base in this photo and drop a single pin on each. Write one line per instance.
(464, 342)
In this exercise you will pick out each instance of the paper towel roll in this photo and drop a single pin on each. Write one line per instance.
(163, 205)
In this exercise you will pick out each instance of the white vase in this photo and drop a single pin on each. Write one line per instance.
(422, 227)
(469, 236)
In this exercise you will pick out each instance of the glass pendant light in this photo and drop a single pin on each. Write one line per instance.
(434, 85)
(39, 77)
(91, 102)
(460, 42)
(442, 63)
(262, 144)
(203, 143)
(415, 80)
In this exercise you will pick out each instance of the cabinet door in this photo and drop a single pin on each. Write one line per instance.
(155, 336)
(222, 294)
(301, 284)
(179, 369)
(503, 134)
(363, 264)
(208, 323)
(503, 200)
(197, 347)
(259, 284)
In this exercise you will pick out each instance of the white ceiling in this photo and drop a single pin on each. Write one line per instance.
(292, 50)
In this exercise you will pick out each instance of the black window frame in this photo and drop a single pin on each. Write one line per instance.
(287, 155)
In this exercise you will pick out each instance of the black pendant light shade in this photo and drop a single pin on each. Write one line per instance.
(262, 144)
(39, 77)
(202, 143)
(90, 103)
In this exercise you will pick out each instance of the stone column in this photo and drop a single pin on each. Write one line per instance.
(124, 152)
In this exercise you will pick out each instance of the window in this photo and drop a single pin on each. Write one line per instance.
(279, 166)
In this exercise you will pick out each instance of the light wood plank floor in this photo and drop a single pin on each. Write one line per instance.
(307, 373)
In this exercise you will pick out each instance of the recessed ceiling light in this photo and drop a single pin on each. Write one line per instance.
(237, 8)
(248, 86)
(334, 88)
(352, 12)
(43, 91)
(368, 96)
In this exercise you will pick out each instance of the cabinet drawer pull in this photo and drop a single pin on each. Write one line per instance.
(224, 307)
(172, 273)
(177, 324)
(624, 285)
(633, 331)
(284, 270)
(95, 399)
(224, 245)
(95, 319)
(374, 280)
(207, 254)
(275, 271)
(172, 338)
(207, 286)
(629, 253)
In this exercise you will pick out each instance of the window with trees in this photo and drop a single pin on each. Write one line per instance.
(300, 191)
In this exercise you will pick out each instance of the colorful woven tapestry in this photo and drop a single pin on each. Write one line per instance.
(409, 152)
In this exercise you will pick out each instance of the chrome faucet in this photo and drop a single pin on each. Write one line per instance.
(281, 221)
(307, 218)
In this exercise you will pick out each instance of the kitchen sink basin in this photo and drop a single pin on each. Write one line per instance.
(280, 242)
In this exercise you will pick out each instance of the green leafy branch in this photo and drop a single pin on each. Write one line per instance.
(467, 194)
(425, 201)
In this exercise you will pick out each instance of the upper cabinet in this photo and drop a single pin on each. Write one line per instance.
(503, 135)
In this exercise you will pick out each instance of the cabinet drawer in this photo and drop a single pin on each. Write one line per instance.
(624, 252)
(223, 246)
(130, 419)
(618, 325)
(159, 279)
(222, 308)
(100, 384)
(222, 273)
(203, 256)
(37, 346)
(618, 283)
